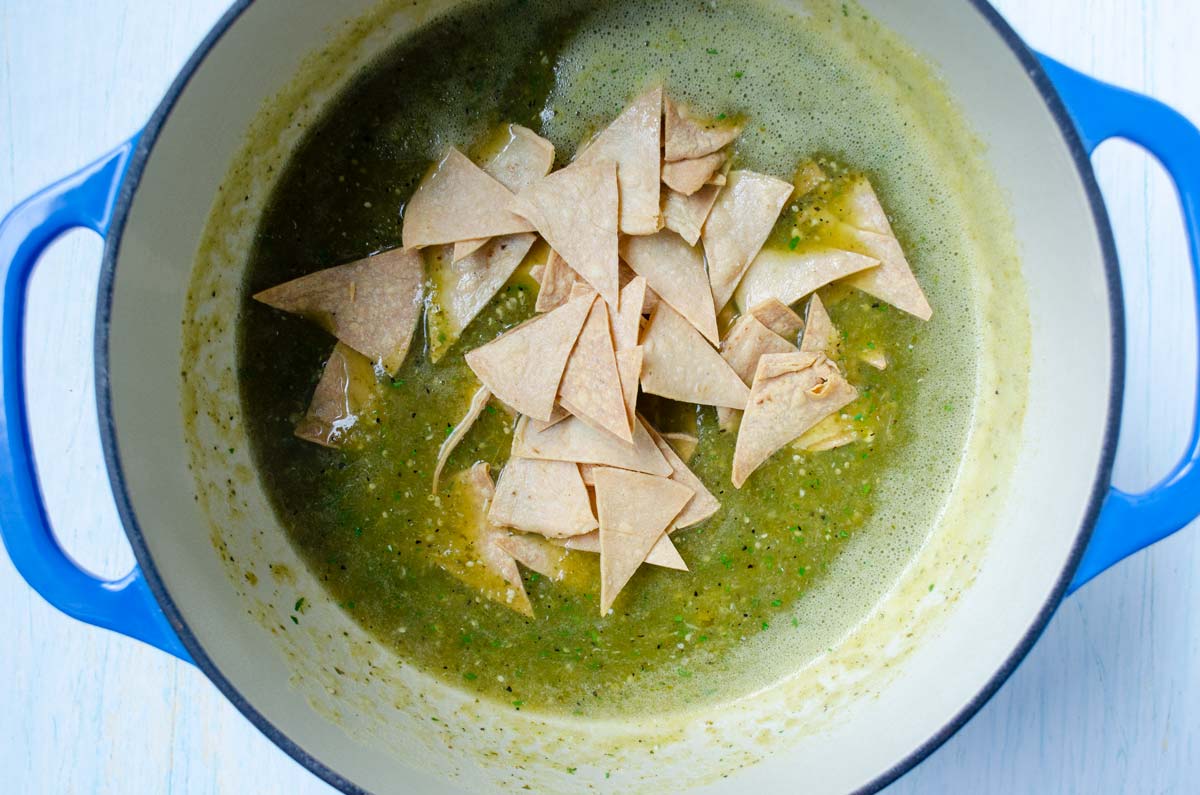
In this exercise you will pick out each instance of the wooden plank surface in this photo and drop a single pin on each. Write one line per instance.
(1108, 701)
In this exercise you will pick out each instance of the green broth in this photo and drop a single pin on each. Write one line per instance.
(364, 517)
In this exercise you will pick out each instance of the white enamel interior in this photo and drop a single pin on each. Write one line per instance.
(1030, 542)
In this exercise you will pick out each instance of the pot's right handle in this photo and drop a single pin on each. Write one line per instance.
(1129, 522)
(83, 200)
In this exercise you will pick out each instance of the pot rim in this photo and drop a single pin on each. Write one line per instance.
(116, 476)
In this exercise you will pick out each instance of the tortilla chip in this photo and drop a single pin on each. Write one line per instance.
(746, 342)
(687, 137)
(662, 554)
(464, 288)
(555, 283)
(537, 553)
(679, 364)
(702, 504)
(792, 392)
(525, 158)
(675, 271)
(631, 143)
(543, 497)
(779, 317)
(346, 389)
(685, 215)
(828, 434)
(524, 365)
(893, 281)
(689, 176)
(372, 304)
(575, 209)
(635, 510)
(860, 207)
(456, 201)
(465, 248)
(627, 321)
(737, 227)
(875, 358)
(791, 275)
(808, 176)
(472, 551)
(591, 385)
(684, 444)
(474, 409)
(574, 440)
(629, 367)
(556, 416)
(820, 336)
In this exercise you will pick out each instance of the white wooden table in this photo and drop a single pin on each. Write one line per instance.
(1108, 701)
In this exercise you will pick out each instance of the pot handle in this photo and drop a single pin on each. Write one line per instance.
(84, 199)
(1129, 522)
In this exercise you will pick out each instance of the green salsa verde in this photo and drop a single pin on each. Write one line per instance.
(364, 516)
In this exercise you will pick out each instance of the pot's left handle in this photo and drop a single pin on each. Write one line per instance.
(84, 199)
(1129, 522)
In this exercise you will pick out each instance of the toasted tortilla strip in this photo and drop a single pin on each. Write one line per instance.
(684, 444)
(635, 511)
(474, 409)
(632, 143)
(629, 367)
(456, 201)
(685, 215)
(675, 271)
(746, 342)
(737, 227)
(791, 275)
(591, 386)
(345, 390)
(575, 209)
(472, 551)
(702, 504)
(556, 416)
(893, 281)
(679, 364)
(875, 358)
(524, 159)
(465, 248)
(859, 206)
(689, 176)
(627, 321)
(792, 392)
(808, 176)
(779, 317)
(524, 365)
(372, 304)
(464, 288)
(820, 335)
(538, 554)
(686, 137)
(543, 497)
(828, 434)
(662, 554)
(554, 286)
(574, 440)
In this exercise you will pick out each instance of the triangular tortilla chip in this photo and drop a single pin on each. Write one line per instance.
(537, 553)
(702, 504)
(632, 143)
(627, 321)
(524, 365)
(556, 416)
(828, 434)
(893, 281)
(472, 551)
(792, 392)
(456, 201)
(820, 336)
(675, 271)
(372, 304)
(679, 364)
(808, 176)
(524, 158)
(575, 209)
(746, 342)
(689, 176)
(346, 389)
(591, 386)
(686, 137)
(859, 206)
(875, 358)
(465, 248)
(684, 444)
(474, 409)
(574, 440)
(557, 279)
(543, 497)
(629, 367)
(685, 215)
(737, 227)
(779, 317)
(463, 288)
(791, 275)
(634, 510)
(662, 554)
